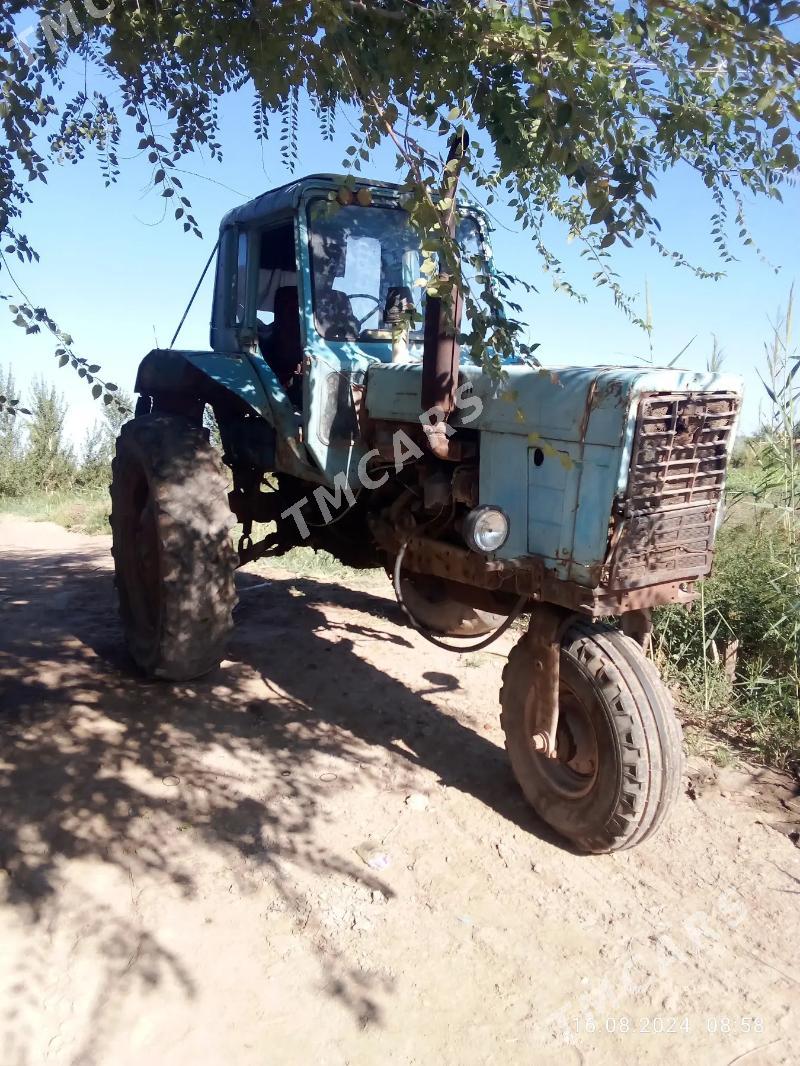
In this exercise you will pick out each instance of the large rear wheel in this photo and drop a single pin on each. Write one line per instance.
(173, 555)
(618, 757)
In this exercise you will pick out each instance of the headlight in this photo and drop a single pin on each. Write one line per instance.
(486, 529)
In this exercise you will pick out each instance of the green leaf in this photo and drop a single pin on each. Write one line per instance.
(766, 99)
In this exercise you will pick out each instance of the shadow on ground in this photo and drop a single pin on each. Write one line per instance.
(98, 764)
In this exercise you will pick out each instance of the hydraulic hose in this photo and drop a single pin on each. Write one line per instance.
(427, 633)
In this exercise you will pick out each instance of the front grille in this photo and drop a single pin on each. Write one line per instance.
(677, 476)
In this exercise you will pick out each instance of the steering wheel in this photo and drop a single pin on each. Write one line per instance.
(364, 296)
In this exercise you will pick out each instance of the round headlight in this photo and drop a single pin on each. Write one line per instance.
(486, 529)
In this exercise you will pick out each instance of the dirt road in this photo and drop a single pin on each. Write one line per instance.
(184, 875)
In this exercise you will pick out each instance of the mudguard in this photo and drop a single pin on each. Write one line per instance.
(232, 383)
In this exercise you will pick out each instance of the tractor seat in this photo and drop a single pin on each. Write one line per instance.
(281, 344)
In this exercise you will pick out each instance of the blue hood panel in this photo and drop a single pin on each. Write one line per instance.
(555, 447)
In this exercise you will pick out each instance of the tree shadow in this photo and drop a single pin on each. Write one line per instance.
(325, 668)
(99, 764)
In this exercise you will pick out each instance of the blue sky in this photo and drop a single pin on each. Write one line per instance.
(117, 278)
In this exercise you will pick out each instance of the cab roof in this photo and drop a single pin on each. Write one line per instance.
(286, 198)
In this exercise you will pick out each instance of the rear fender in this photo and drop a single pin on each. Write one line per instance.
(232, 384)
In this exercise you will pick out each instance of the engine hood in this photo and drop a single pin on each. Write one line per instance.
(588, 404)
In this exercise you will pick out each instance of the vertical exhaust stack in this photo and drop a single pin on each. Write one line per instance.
(441, 351)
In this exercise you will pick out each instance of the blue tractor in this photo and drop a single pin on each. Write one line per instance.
(351, 420)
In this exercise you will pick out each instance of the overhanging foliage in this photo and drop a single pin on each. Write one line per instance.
(575, 109)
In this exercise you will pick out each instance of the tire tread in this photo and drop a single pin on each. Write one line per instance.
(647, 731)
(187, 482)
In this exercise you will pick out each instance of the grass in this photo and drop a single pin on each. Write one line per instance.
(84, 512)
(307, 562)
(753, 596)
(750, 599)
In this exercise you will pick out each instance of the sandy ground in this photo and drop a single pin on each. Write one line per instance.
(183, 867)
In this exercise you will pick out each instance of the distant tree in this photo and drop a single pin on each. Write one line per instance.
(98, 445)
(11, 439)
(49, 459)
(95, 458)
(117, 414)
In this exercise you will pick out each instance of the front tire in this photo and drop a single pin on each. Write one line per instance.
(173, 556)
(618, 760)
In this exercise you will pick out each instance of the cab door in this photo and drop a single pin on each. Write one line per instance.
(335, 367)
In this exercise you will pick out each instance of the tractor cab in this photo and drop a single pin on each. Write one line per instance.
(342, 257)
(310, 278)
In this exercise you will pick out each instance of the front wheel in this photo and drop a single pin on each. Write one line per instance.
(618, 744)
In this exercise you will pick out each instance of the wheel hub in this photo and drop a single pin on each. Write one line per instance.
(573, 769)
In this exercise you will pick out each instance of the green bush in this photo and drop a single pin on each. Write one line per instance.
(748, 600)
(752, 600)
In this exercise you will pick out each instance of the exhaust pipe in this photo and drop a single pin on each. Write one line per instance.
(441, 351)
(441, 354)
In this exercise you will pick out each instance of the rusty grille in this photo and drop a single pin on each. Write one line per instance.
(677, 476)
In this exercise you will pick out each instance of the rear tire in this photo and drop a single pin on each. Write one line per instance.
(618, 743)
(435, 610)
(172, 550)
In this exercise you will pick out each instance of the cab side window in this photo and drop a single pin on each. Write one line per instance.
(277, 269)
(241, 278)
(278, 309)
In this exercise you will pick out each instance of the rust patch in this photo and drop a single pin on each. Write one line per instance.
(544, 645)
(587, 411)
(527, 576)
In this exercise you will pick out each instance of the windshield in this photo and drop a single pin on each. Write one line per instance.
(358, 255)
